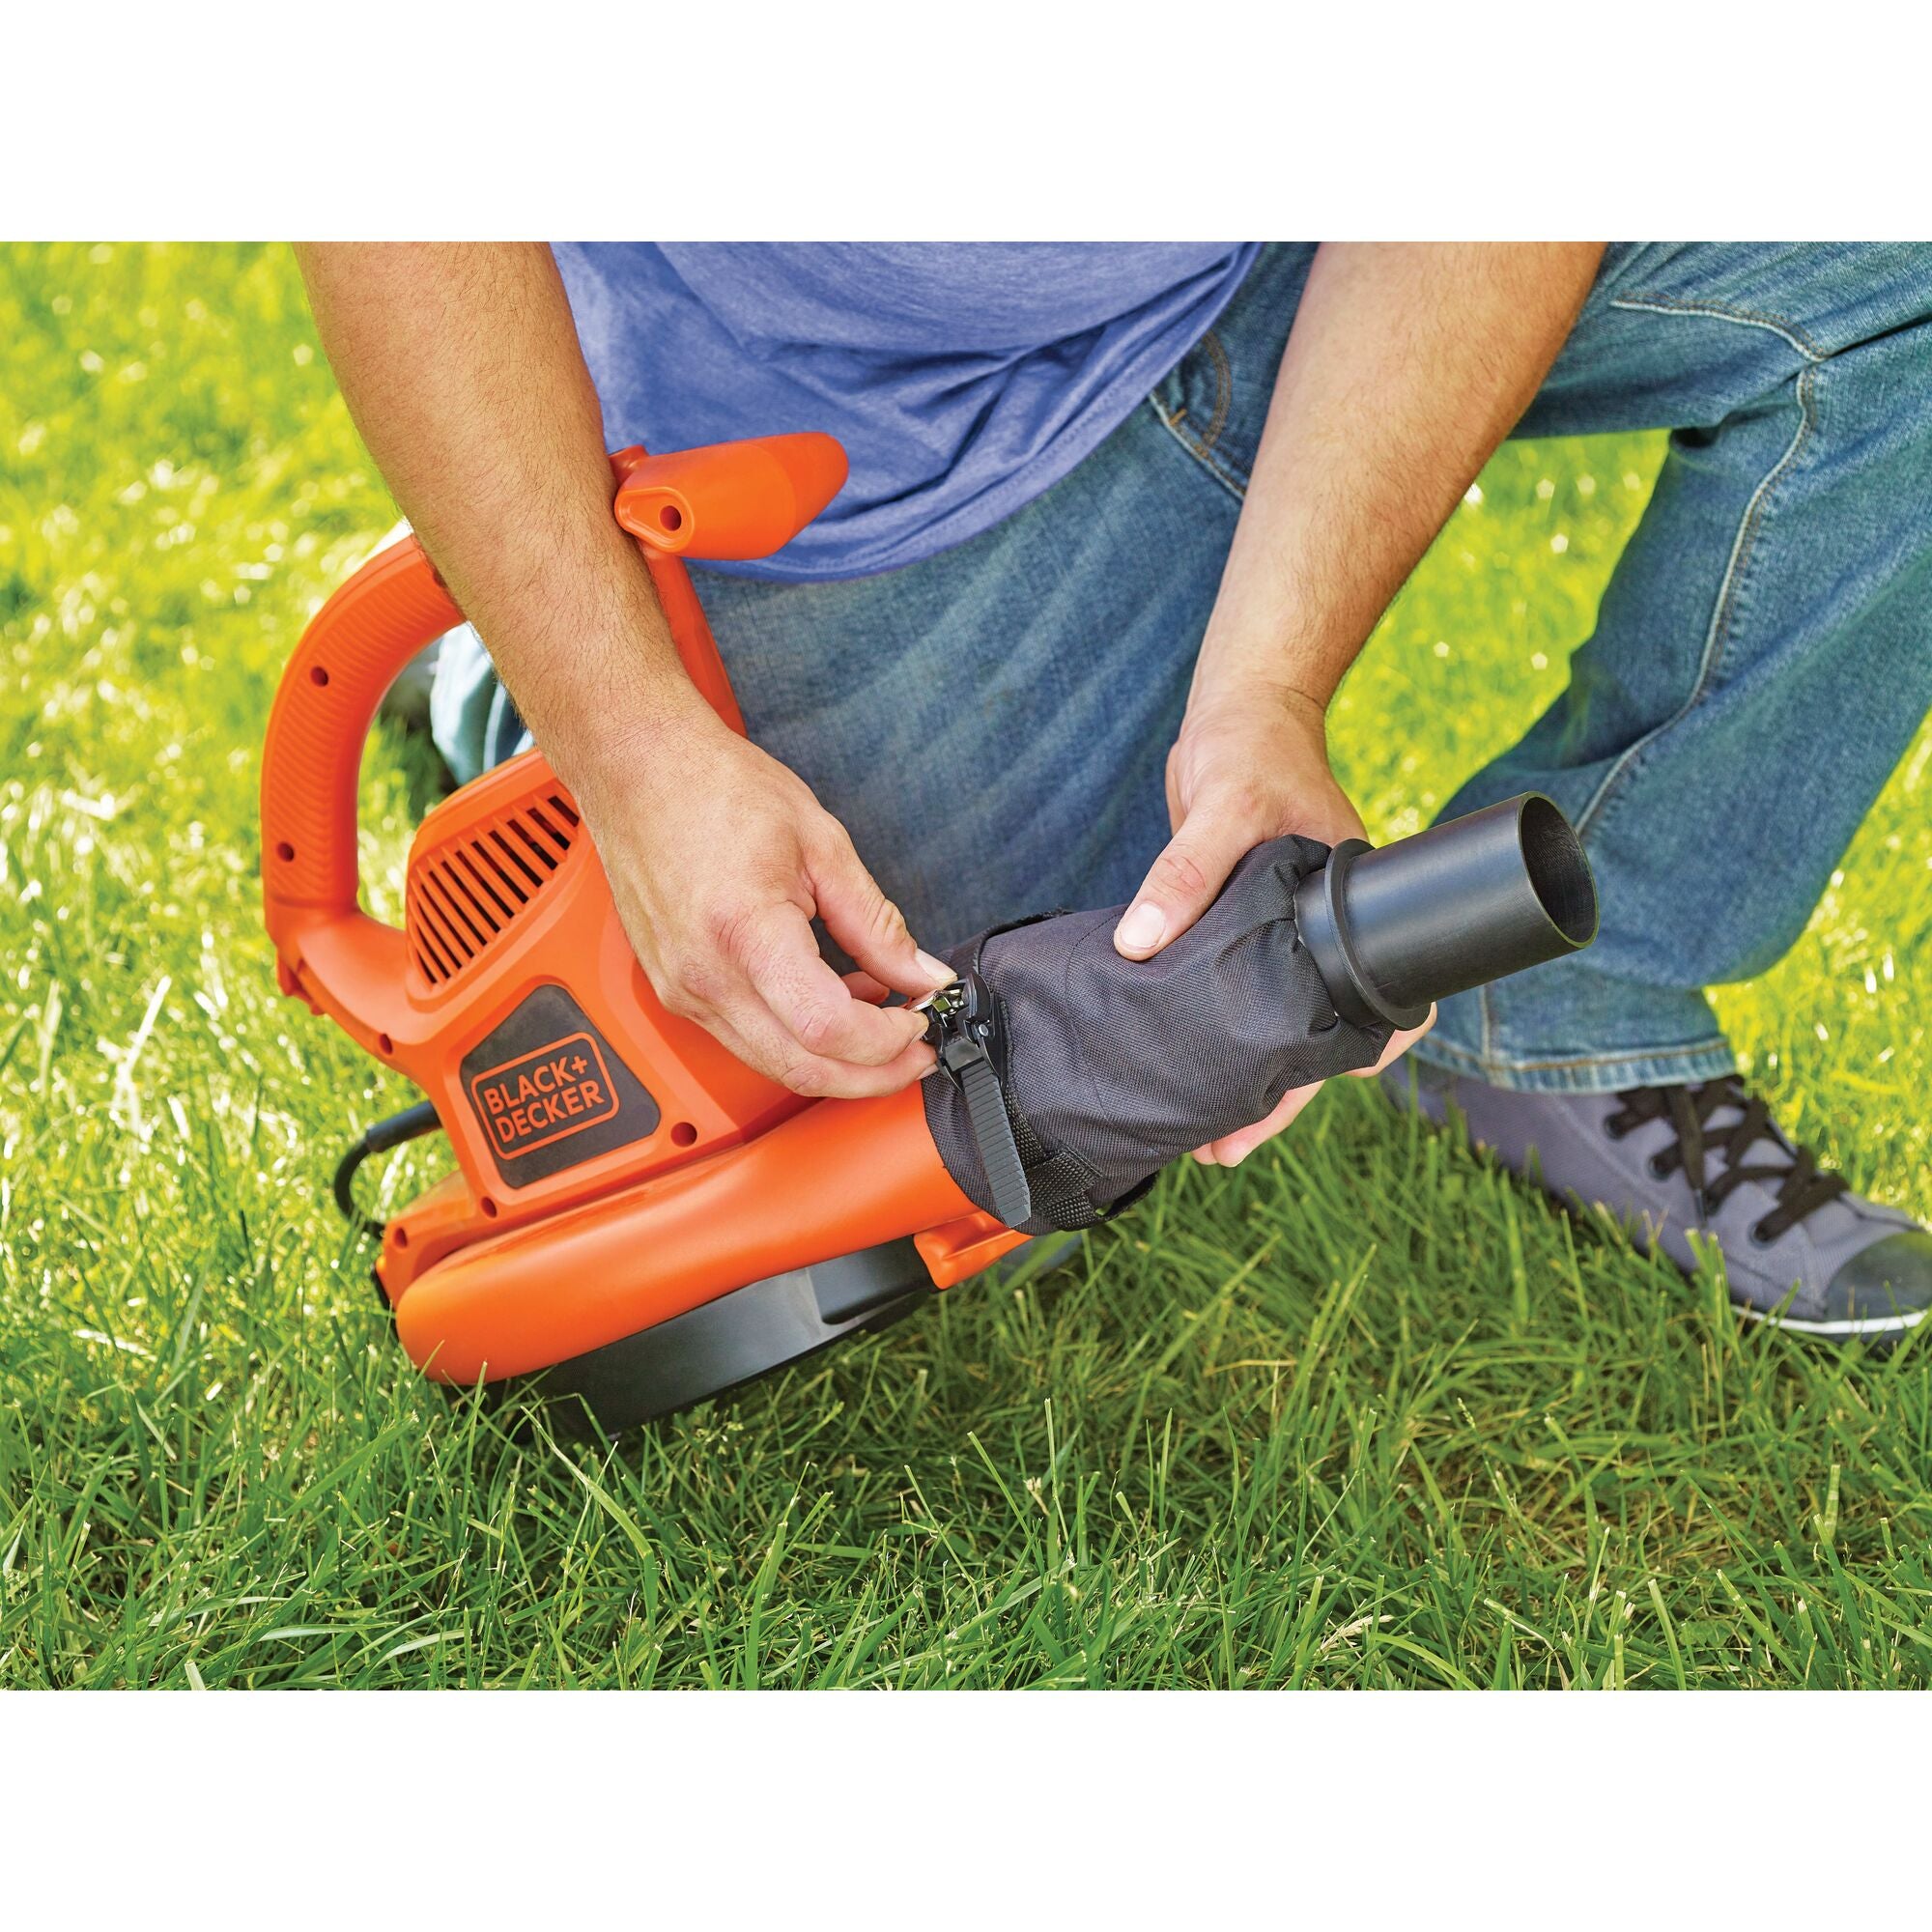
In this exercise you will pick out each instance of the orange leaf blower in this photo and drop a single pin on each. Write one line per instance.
(645, 1221)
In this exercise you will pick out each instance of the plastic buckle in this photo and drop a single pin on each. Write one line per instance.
(961, 1025)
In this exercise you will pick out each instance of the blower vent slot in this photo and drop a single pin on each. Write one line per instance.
(466, 894)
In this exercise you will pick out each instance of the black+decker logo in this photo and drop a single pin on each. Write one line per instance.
(550, 1092)
(542, 1096)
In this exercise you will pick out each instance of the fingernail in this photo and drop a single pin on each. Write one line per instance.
(1142, 929)
(935, 970)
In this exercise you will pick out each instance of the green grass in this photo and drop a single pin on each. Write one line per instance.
(1363, 1413)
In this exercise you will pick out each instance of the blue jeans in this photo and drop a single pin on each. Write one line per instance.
(991, 724)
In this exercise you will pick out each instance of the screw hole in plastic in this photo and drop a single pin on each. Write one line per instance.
(285, 852)
(384, 1044)
(684, 1134)
(672, 517)
(317, 675)
(400, 1236)
(488, 1206)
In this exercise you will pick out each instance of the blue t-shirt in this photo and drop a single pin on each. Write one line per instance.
(962, 377)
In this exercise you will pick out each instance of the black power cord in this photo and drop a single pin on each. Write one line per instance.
(410, 1125)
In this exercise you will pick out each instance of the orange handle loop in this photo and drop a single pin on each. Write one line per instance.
(347, 659)
(740, 499)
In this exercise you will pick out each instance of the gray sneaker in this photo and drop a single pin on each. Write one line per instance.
(1799, 1246)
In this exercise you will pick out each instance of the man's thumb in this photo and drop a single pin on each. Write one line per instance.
(868, 926)
(1179, 888)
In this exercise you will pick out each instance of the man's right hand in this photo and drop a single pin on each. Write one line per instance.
(718, 858)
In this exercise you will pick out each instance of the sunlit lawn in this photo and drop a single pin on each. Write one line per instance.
(1363, 1413)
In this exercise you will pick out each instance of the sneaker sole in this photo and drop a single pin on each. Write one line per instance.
(1879, 1325)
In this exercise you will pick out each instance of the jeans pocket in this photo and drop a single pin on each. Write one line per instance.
(1215, 403)
(1195, 400)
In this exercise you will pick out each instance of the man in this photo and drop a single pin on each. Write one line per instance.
(1118, 519)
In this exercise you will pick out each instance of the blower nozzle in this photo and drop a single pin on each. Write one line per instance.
(1395, 927)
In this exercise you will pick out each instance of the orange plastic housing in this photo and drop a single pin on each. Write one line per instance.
(534, 1251)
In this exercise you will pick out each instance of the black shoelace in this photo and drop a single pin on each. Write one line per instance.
(1802, 1188)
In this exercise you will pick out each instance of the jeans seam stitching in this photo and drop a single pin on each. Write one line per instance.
(1743, 318)
(1715, 637)
(1201, 448)
(1224, 391)
(1235, 489)
(1717, 1043)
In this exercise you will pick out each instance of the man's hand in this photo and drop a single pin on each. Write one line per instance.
(718, 858)
(1236, 777)
(1239, 774)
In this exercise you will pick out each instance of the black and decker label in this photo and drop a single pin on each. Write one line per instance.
(561, 1090)
(548, 1092)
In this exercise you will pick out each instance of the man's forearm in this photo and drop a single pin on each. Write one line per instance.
(462, 369)
(1407, 364)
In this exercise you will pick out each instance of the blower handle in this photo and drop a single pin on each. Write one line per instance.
(347, 659)
(737, 501)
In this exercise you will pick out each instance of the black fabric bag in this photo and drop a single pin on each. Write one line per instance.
(1112, 1067)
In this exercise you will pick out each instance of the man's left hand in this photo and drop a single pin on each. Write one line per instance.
(1247, 767)
(1244, 770)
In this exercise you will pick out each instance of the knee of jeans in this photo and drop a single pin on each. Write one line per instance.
(461, 697)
